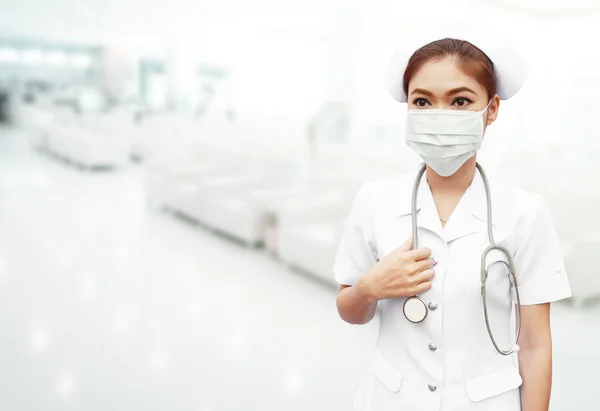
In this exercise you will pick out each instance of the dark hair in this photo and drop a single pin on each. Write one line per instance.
(472, 61)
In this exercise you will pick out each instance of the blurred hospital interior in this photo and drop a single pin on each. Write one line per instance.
(175, 178)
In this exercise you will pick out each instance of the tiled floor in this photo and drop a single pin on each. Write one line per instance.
(109, 305)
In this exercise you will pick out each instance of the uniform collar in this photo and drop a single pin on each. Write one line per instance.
(469, 216)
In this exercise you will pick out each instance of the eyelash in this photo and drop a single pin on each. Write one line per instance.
(417, 100)
(468, 101)
(465, 99)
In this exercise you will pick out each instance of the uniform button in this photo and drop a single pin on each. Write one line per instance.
(432, 346)
(432, 387)
(433, 306)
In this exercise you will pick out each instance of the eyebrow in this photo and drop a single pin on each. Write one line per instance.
(449, 93)
(422, 91)
(460, 90)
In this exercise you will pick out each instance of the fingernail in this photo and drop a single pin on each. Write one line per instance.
(434, 261)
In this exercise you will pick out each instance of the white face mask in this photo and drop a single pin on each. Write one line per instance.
(445, 139)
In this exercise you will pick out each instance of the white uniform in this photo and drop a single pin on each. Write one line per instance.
(447, 362)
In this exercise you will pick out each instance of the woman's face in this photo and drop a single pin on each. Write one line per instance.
(441, 84)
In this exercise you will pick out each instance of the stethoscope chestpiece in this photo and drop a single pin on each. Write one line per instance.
(415, 309)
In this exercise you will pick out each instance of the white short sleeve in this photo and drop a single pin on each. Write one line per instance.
(357, 251)
(538, 259)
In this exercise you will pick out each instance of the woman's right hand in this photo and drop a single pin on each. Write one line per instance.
(402, 273)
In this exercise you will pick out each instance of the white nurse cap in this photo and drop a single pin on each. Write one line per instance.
(511, 70)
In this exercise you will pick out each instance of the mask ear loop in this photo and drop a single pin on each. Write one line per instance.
(486, 107)
(482, 112)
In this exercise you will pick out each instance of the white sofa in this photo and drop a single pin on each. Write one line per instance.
(237, 198)
(91, 140)
(308, 232)
(222, 186)
(582, 262)
(34, 121)
(574, 202)
(163, 135)
(233, 203)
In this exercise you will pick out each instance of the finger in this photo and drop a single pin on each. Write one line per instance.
(425, 275)
(422, 287)
(407, 246)
(424, 265)
(419, 254)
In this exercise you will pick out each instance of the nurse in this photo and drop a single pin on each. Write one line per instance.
(447, 362)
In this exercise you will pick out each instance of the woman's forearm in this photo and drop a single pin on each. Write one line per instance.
(535, 364)
(355, 306)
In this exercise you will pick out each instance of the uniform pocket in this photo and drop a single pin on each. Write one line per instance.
(380, 387)
(489, 385)
(386, 372)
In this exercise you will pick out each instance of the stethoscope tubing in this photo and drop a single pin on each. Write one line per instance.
(484, 270)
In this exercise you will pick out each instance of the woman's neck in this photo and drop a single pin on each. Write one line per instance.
(456, 183)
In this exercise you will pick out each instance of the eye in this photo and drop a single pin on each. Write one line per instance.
(462, 102)
(421, 102)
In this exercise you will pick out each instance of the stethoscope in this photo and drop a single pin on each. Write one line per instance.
(415, 309)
